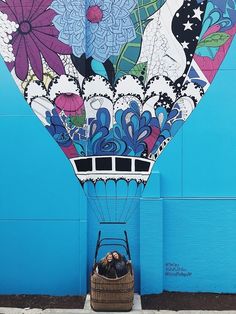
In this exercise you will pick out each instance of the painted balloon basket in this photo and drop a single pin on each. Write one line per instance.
(113, 185)
(112, 294)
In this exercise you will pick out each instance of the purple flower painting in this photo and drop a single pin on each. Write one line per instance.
(34, 38)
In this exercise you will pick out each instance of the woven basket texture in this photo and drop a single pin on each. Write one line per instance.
(112, 294)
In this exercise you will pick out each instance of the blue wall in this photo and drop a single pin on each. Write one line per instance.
(198, 186)
(43, 211)
(42, 223)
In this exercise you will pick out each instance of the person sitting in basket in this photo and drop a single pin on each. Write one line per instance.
(106, 266)
(120, 264)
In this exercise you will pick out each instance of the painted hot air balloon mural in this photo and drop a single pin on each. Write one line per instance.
(113, 81)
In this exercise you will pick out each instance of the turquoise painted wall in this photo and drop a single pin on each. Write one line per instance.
(42, 223)
(198, 186)
(189, 232)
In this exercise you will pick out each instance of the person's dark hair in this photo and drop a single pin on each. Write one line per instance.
(119, 255)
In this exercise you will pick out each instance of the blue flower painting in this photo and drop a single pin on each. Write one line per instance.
(95, 27)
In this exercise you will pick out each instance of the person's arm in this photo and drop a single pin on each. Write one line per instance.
(100, 268)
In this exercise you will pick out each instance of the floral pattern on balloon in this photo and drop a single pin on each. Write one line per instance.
(218, 30)
(95, 27)
(34, 38)
(215, 27)
(114, 77)
(144, 116)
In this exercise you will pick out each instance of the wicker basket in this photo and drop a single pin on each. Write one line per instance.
(112, 294)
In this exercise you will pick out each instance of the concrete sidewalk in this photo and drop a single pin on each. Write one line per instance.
(137, 309)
